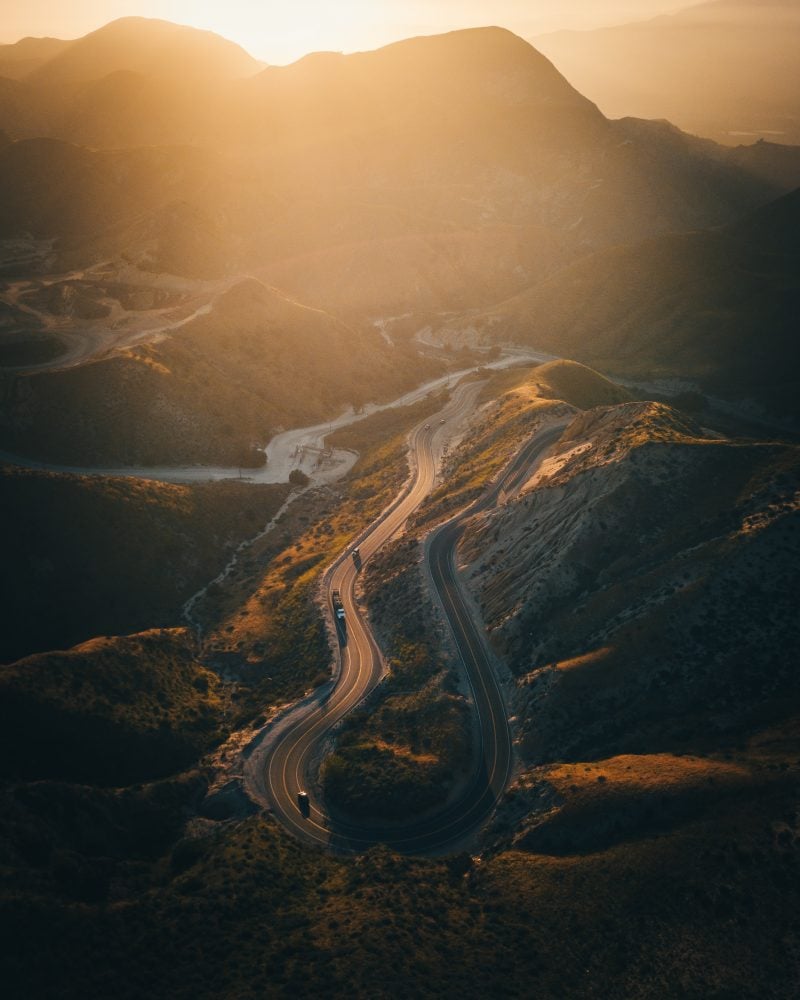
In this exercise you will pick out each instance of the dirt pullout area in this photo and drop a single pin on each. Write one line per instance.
(94, 311)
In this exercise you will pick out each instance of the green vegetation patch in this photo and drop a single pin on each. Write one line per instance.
(401, 759)
(109, 712)
(578, 385)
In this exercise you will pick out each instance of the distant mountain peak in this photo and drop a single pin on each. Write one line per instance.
(21, 58)
(487, 62)
(150, 46)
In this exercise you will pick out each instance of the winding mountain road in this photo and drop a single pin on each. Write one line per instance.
(300, 738)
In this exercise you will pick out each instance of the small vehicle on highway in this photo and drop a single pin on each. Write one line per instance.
(338, 607)
(427, 427)
(303, 803)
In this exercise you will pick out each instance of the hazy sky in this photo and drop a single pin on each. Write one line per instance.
(279, 32)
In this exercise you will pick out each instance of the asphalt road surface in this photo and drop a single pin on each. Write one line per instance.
(292, 756)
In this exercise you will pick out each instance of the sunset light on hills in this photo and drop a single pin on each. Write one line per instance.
(277, 31)
(400, 491)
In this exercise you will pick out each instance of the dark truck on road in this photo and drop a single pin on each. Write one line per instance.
(338, 607)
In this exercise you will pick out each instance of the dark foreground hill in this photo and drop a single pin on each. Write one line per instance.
(111, 711)
(87, 556)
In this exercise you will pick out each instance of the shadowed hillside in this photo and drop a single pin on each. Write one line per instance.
(85, 556)
(112, 711)
(719, 307)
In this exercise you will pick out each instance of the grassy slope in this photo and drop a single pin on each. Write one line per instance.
(575, 384)
(88, 555)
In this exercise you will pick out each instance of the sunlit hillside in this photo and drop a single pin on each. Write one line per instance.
(432, 176)
(399, 496)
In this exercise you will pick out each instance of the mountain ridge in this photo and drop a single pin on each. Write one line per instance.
(435, 175)
(148, 45)
(688, 67)
(716, 307)
(626, 561)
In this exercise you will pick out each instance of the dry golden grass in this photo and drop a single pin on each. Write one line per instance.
(588, 806)
(596, 656)
(405, 751)
(632, 774)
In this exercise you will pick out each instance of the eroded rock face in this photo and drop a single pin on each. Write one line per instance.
(641, 581)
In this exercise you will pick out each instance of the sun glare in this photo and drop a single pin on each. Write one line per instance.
(277, 31)
(281, 33)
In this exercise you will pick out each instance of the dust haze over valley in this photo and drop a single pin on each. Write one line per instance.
(400, 485)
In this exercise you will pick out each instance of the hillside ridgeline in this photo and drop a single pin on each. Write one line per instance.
(649, 567)
(87, 556)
